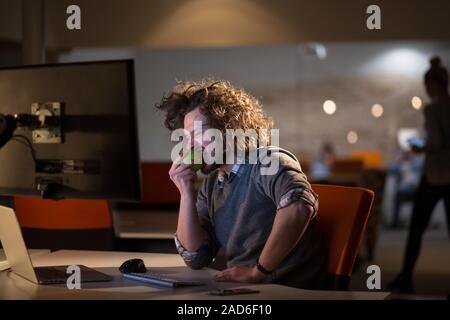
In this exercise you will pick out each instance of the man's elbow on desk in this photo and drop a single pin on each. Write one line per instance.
(194, 265)
(195, 259)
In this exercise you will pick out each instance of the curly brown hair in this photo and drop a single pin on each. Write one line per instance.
(224, 105)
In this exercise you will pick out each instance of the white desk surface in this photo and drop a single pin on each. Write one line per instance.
(32, 252)
(14, 287)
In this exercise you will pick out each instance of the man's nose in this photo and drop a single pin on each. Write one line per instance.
(198, 144)
(190, 144)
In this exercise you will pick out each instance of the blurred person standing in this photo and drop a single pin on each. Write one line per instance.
(408, 172)
(435, 181)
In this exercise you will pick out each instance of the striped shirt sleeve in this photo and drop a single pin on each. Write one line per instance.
(297, 194)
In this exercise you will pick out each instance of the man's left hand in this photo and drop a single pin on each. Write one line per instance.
(240, 274)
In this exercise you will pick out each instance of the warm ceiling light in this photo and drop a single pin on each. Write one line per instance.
(329, 107)
(416, 102)
(377, 110)
(352, 137)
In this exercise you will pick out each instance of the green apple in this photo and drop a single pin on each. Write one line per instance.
(190, 158)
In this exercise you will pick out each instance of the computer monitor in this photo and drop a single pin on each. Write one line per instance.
(74, 131)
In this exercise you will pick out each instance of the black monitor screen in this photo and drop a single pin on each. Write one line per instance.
(85, 144)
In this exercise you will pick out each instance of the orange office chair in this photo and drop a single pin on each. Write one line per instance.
(157, 188)
(65, 224)
(342, 218)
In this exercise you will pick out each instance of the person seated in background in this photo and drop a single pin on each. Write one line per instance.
(321, 166)
(407, 170)
(265, 223)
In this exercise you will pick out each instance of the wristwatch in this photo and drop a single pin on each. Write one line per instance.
(262, 269)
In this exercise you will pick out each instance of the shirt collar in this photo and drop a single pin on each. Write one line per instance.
(235, 168)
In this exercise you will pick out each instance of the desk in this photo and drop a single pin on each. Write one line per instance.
(14, 287)
(32, 252)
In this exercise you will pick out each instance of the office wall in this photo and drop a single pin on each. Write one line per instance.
(355, 76)
(158, 70)
(11, 20)
(10, 55)
(200, 23)
(292, 83)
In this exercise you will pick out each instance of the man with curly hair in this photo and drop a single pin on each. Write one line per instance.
(265, 223)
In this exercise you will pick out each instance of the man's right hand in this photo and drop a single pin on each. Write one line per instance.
(183, 177)
(189, 231)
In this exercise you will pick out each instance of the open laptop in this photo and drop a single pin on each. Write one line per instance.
(20, 261)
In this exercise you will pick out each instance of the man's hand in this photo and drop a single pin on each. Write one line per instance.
(189, 231)
(240, 274)
(183, 177)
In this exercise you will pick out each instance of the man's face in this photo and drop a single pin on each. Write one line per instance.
(198, 141)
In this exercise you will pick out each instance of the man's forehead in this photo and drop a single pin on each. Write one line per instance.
(199, 125)
(191, 115)
(194, 118)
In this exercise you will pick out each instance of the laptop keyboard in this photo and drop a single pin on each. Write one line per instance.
(58, 274)
(159, 279)
(51, 274)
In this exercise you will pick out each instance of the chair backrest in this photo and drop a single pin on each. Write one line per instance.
(370, 158)
(157, 188)
(347, 166)
(34, 212)
(342, 218)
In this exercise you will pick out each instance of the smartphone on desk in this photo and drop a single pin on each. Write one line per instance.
(232, 292)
